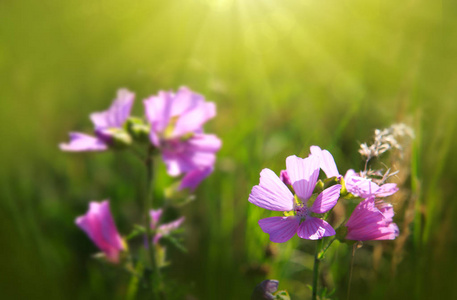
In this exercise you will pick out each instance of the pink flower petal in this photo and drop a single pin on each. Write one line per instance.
(82, 142)
(199, 152)
(158, 110)
(280, 229)
(326, 200)
(387, 189)
(359, 186)
(99, 225)
(303, 174)
(155, 217)
(193, 118)
(169, 227)
(367, 222)
(117, 113)
(185, 100)
(349, 174)
(184, 112)
(327, 163)
(386, 209)
(271, 193)
(166, 229)
(315, 229)
(193, 178)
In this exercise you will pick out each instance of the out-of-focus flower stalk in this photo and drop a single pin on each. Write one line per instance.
(156, 280)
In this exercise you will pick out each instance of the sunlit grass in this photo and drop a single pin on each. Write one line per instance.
(284, 74)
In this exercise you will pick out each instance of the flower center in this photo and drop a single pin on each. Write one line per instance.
(301, 210)
(168, 132)
(174, 145)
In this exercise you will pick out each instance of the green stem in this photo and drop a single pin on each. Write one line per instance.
(156, 276)
(316, 268)
(354, 248)
(322, 253)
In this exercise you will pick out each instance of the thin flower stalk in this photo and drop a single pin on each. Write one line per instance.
(148, 204)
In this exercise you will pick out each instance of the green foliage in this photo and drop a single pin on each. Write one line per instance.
(284, 75)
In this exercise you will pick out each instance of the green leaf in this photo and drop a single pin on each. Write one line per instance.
(134, 282)
(137, 230)
(175, 242)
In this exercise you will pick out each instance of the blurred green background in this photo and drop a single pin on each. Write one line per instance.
(285, 75)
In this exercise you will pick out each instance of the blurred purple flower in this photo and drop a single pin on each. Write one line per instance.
(164, 229)
(99, 225)
(365, 187)
(372, 221)
(177, 129)
(107, 123)
(265, 290)
(193, 178)
(273, 194)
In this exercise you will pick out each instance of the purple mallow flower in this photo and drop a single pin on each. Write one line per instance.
(365, 187)
(273, 194)
(177, 130)
(164, 229)
(371, 221)
(99, 225)
(108, 124)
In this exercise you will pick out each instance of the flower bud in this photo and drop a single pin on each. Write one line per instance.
(116, 138)
(285, 177)
(319, 187)
(138, 129)
(99, 225)
(267, 289)
(328, 182)
(120, 139)
(343, 191)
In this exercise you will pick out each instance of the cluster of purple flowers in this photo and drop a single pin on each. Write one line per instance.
(295, 187)
(174, 127)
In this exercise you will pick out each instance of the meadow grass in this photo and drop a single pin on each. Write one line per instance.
(285, 75)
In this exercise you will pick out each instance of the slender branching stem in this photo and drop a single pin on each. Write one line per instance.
(366, 165)
(354, 248)
(322, 252)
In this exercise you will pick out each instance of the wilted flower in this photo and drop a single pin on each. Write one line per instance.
(273, 194)
(99, 226)
(388, 138)
(364, 187)
(371, 221)
(108, 127)
(177, 130)
(164, 229)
